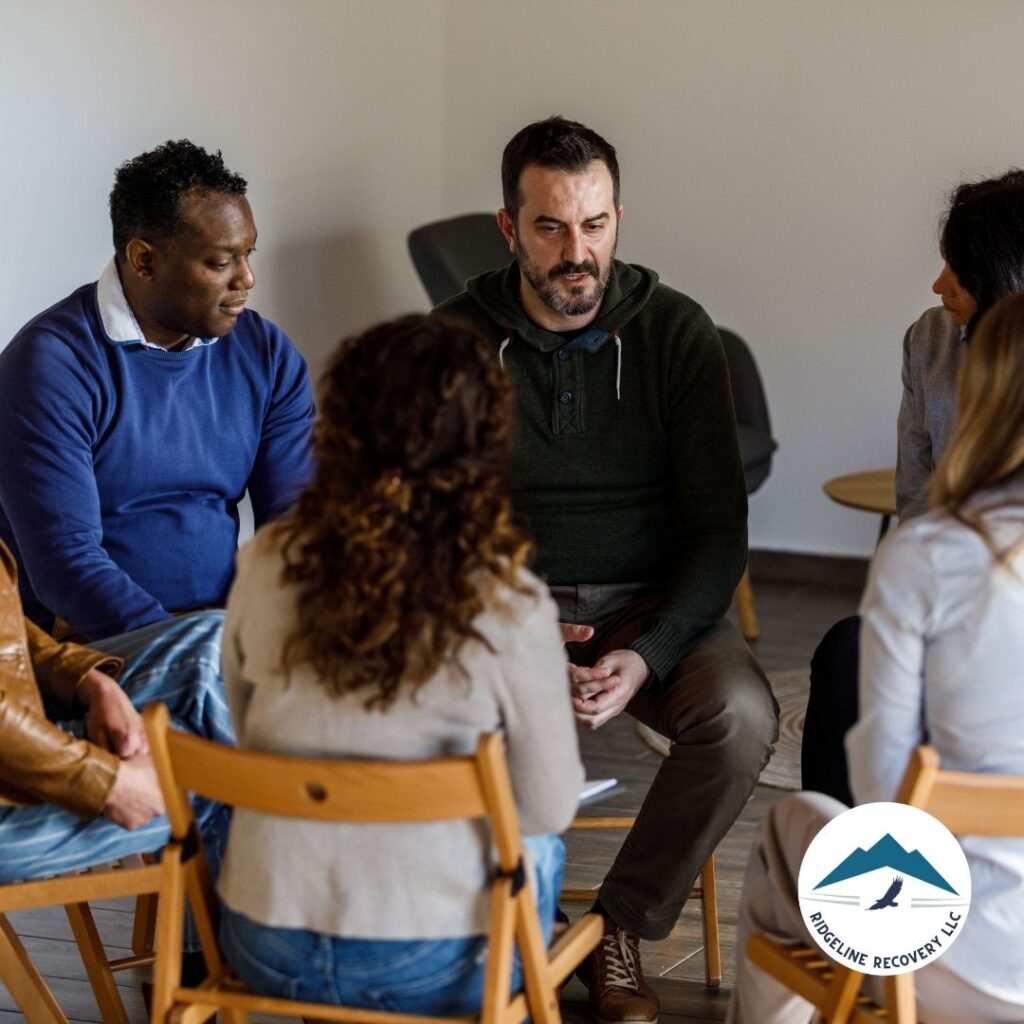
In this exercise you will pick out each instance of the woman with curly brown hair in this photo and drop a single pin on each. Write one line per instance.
(390, 616)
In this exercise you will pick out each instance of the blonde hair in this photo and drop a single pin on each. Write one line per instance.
(987, 446)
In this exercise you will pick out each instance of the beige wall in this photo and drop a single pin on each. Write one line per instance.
(784, 161)
(330, 108)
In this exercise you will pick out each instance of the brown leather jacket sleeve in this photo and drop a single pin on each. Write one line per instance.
(60, 667)
(39, 762)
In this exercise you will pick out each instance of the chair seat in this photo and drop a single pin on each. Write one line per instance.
(809, 973)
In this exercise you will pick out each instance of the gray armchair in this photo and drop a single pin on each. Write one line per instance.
(447, 253)
(757, 446)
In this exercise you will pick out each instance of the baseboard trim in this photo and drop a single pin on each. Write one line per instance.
(796, 567)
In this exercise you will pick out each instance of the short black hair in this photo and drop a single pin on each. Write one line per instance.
(983, 239)
(146, 197)
(554, 142)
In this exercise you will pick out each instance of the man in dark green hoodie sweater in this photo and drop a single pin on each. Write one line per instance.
(626, 470)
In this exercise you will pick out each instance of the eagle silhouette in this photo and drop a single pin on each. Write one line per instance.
(889, 899)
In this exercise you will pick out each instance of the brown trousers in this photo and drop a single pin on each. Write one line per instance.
(718, 710)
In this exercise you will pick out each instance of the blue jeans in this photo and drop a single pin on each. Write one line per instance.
(431, 976)
(176, 661)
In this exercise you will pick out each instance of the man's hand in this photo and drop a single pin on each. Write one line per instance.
(111, 721)
(575, 634)
(135, 797)
(602, 692)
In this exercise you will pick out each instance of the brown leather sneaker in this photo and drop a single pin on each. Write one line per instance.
(618, 992)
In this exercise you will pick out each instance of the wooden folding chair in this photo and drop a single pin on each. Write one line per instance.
(129, 877)
(967, 803)
(353, 791)
(706, 892)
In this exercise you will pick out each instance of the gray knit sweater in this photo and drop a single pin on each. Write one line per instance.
(404, 881)
(933, 349)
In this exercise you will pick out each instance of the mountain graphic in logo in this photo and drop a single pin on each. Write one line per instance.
(886, 853)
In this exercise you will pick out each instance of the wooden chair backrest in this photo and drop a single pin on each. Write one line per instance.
(334, 790)
(363, 791)
(327, 790)
(967, 803)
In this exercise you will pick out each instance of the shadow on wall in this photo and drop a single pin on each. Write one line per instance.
(325, 289)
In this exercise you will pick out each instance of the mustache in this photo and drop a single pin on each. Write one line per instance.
(586, 267)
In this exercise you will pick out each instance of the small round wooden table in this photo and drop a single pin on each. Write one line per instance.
(872, 491)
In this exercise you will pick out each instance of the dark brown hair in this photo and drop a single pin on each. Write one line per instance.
(983, 239)
(558, 143)
(405, 531)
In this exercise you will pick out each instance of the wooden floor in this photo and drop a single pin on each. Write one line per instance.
(793, 617)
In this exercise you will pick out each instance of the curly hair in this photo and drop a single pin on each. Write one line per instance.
(146, 197)
(405, 531)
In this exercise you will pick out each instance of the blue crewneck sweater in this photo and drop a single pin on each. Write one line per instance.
(122, 466)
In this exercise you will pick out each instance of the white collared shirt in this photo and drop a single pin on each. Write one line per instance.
(119, 321)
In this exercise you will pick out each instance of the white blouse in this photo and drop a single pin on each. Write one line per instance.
(942, 661)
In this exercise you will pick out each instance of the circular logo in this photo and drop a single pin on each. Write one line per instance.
(884, 889)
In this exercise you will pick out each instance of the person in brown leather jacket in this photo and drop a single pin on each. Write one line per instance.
(84, 791)
(41, 762)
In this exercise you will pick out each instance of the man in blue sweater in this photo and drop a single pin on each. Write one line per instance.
(136, 413)
(134, 416)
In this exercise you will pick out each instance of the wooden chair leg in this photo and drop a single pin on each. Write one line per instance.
(144, 928)
(24, 982)
(745, 608)
(169, 929)
(90, 946)
(541, 996)
(709, 924)
(899, 999)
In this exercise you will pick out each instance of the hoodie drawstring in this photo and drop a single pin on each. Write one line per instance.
(501, 351)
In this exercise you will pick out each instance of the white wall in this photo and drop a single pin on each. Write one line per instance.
(784, 162)
(330, 108)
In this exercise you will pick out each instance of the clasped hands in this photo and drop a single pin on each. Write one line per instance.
(601, 692)
(111, 722)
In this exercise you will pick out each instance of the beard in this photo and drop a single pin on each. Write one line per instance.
(582, 297)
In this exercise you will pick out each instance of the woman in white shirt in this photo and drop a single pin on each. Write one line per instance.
(942, 650)
(390, 616)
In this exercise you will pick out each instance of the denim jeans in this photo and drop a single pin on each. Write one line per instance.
(176, 661)
(430, 976)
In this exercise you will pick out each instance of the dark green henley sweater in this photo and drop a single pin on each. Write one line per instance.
(641, 487)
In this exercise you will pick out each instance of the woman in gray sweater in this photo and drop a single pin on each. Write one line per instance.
(390, 616)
